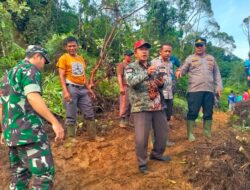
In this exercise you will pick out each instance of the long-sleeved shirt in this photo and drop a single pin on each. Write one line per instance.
(167, 69)
(203, 72)
(139, 92)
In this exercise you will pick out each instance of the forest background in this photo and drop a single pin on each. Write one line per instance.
(105, 29)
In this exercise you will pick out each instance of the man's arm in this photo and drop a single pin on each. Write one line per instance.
(218, 80)
(41, 108)
(134, 78)
(183, 69)
(62, 76)
(119, 78)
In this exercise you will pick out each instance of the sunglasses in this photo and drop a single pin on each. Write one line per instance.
(199, 45)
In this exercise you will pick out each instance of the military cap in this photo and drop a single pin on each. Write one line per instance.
(128, 53)
(141, 43)
(32, 49)
(200, 41)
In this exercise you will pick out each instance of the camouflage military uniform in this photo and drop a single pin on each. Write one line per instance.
(23, 131)
(147, 111)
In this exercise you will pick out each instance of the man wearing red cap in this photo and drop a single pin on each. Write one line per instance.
(146, 107)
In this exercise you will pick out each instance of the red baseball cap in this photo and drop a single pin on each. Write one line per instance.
(140, 43)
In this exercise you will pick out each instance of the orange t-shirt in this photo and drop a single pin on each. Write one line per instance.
(74, 67)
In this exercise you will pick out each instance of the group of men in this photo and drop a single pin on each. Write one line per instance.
(150, 91)
(147, 85)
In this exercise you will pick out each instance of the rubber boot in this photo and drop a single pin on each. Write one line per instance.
(207, 124)
(190, 126)
(71, 131)
(91, 129)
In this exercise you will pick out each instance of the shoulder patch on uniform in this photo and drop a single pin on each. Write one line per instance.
(130, 70)
(194, 59)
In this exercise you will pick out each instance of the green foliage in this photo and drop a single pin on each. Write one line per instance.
(16, 53)
(109, 89)
(180, 105)
(52, 94)
(49, 22)
(55, 47)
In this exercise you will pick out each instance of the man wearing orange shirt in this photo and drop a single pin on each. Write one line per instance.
(76, 92)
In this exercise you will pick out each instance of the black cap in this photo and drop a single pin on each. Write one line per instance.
(200, 41)
(32, 49)
(128, 53)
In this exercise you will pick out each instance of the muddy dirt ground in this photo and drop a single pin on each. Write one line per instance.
(111, 164)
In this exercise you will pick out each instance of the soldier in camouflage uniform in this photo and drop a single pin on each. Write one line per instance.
(204, 82)
(146, 105)
(22, 109)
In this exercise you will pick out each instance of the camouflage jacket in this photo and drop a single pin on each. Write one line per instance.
(21, 124)
(203, 72)
(139, 89)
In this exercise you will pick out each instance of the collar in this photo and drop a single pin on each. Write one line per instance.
(143, 65)
(203, 55)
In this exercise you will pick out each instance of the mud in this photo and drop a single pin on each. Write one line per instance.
(110, 164)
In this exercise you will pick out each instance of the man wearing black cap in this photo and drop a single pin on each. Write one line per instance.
(204, 82)
(146, 106)
(124, 101)
(21, 111)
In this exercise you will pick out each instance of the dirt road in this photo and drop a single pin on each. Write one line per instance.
(111, 164)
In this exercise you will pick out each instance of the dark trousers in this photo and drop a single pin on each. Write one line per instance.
(143, 121)
(196, 100)
(169, 108)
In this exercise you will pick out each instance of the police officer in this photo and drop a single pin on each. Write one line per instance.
(124, 101)
(146, 106)
(21, 111)
(204, 82)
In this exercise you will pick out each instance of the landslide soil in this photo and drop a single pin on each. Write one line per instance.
(110, 164)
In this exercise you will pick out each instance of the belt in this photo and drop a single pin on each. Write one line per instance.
(76, 86)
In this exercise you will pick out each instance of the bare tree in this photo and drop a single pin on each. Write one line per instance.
(117, 21)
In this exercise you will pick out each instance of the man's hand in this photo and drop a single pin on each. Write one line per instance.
(66, 96)
(59, 131)
(159, 81)
(178, 74)
(91, 93)
(151, 70)
(218, 92)
(2, 139)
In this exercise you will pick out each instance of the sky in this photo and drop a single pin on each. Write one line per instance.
(230, 14)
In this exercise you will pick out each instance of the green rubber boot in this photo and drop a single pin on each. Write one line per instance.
(71, 131)
(190, 126)
(207, 124)
(91, 129)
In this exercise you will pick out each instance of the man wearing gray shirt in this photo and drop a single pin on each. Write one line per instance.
(204, 81)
